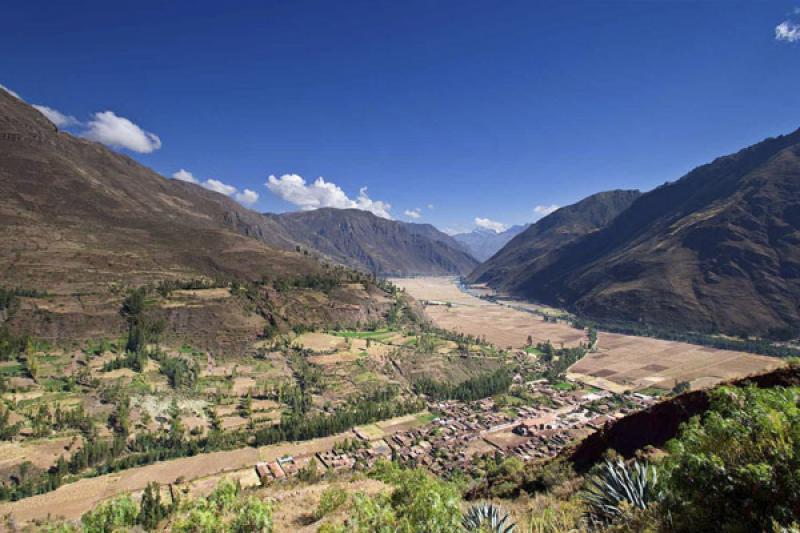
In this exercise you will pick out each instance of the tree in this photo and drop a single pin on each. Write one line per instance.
(152, 511)
(681, 387)
(7, 430)
(176, 428)
(737, 468)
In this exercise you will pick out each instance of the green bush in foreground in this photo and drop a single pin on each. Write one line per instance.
(737, 468)
(419, 502)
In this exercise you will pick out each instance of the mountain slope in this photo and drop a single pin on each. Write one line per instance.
(84, 223)
(719, 249)
(483, 243)
(539, 245)
(73, 212)
(362, 240)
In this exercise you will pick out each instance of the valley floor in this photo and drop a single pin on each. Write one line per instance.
(619, 363)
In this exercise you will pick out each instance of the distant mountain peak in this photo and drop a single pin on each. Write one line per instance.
(483, 243)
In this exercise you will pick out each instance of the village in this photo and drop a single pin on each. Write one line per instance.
(462, 432)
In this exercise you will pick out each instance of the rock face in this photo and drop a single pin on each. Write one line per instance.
(717, 250)
(484, 243)
(362, 240)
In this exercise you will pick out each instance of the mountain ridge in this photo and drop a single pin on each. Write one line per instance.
(365, 241)
(716, 250)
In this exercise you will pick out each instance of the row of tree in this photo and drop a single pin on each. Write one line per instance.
(758, 346)
(472, 389)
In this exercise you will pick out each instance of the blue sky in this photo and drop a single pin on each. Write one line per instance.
(478, 109)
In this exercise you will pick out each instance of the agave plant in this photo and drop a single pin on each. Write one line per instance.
(617, 486)
(488, 518)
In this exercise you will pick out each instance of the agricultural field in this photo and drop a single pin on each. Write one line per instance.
(86, 420)
(620, 362)
(623, 362)
(451, 308)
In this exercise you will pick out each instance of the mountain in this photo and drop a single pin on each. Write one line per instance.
(483, 243)
(716, 250)
(364, 241)
(80, 223)
(539, 245)
(76, 213)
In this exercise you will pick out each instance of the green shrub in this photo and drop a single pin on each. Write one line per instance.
(737, 468)
(111, 516)
(254, 516)
(331, 499)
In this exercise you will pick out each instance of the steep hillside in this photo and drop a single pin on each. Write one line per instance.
(719, 249)
(82, 222)
(539, 245)
(362, 240)
(73, 212)
(484, 243)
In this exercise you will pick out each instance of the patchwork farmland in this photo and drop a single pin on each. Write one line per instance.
(620, 362)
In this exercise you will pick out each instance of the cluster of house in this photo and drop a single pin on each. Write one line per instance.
(463, 430)
(283, 468)
(335, 460)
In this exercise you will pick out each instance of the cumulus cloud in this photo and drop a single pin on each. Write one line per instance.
(119, 132)
(544, 210)
(57, 117)
(788, 31)
(9, 91)
(185, 175)
(218, 186)
(294, 189)
(413, 213)
(246, 197)
(493, 225)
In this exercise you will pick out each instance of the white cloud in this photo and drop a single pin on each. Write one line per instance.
(788, 31)
(493, 225)
(184, 175)
(376, 207)
(430, 206)
(294, 189)
(413, 213)
(119, 132)
(57, 117)
(544, 210)
(246, 197)
(218, 186)
(9, 91)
